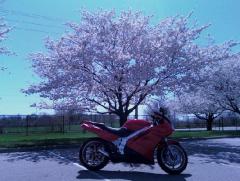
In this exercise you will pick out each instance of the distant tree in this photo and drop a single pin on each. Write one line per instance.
(116, 62)
(225, 81)
(60, 107)
(217, 90)
(201, 104)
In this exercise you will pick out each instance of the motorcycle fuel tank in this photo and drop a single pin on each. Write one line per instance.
(136, 124)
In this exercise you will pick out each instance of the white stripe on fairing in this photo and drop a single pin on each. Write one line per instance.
(122, 141)
(80, 166)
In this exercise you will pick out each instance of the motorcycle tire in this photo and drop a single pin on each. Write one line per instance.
(162, 159)
(83, 151)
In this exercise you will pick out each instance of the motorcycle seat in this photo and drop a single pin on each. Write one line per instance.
(120, 132)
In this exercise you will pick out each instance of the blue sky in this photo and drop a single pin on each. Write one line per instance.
(32, 21)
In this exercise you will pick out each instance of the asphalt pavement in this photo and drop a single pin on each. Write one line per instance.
(209, 160)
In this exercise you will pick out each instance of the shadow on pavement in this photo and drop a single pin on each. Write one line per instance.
(211, 151)
(132, 176)
(39, 155)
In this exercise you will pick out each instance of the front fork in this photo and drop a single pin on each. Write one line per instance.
(166, 143)
(165, 140)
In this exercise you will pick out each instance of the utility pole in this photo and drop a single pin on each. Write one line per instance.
(27, 125)
(63, 124)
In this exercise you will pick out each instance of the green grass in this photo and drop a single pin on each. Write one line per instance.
(48, 139)
(20, 140)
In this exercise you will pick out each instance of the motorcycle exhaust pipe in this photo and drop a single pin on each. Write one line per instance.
(104, 153)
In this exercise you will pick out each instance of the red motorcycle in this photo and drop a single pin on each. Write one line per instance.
(137, 141)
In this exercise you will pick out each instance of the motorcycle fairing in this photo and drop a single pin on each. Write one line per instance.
(146, 143)
(136, 124)
(122, 141)
(98, 131)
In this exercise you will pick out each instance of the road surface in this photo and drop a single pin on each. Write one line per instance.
(209, 160)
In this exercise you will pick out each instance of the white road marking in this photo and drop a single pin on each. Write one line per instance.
(94, 173)
(80, 166)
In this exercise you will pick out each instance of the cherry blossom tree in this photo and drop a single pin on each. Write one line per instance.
(117, 61)
(4, 29)
(225, 81)
(200, 104)
(217, 90)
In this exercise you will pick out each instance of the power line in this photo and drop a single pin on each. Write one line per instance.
(36, 30)
(33, 23)
(31, 15)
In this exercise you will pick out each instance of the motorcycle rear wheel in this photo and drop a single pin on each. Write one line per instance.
(172, 159)
(89, 154)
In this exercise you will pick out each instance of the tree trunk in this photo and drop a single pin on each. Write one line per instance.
(122, 119)
(209, 123)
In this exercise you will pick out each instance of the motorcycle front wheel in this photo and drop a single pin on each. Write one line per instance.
(172, 159)
(90, 154)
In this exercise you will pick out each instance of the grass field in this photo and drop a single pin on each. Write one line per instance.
(47, 139)
(21, 140)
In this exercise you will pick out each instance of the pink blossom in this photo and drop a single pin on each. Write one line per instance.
(116, 62)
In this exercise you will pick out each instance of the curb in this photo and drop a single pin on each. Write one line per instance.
(204, 138)
(78, 145)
